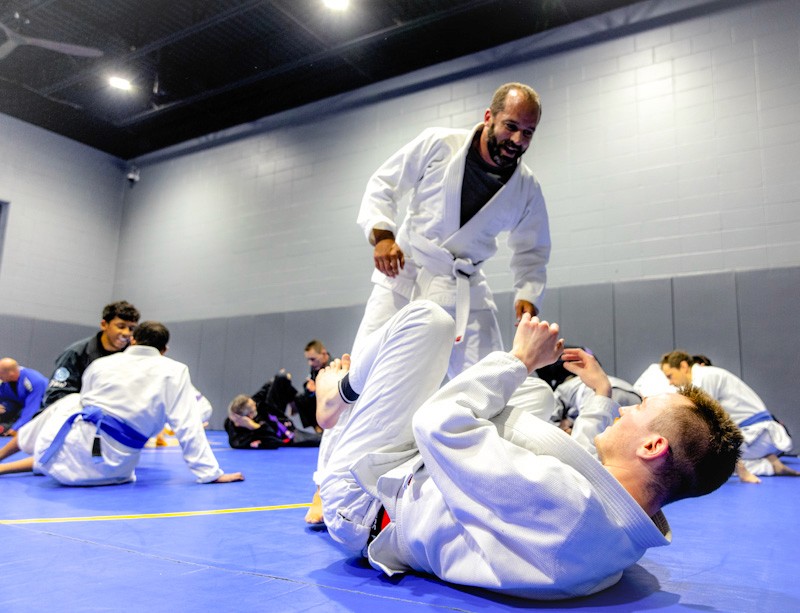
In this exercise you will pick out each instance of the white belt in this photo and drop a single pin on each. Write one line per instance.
(436, 261)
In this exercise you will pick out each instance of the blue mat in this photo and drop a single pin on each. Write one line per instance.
(166, 543)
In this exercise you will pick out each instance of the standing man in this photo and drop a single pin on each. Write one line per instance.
(465, 187)
(21, 392)
(116, 328)
(764, 437)
(96, 437)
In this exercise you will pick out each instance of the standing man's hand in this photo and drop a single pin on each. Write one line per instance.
(523, 306)
(388, 256)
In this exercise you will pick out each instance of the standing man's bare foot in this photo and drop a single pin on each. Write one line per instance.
(781, 470)
(330, 403)
(745, 476)
(314, 514)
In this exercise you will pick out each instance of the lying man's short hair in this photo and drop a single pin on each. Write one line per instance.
(703, 446)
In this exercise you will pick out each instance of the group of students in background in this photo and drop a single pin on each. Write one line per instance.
(278, 414)
(766, 438)
(108, 396)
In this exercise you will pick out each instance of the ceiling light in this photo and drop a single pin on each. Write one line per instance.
(336, 5)
(120, 83)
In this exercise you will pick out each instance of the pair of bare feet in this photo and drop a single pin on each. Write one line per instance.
(781, 470)
(330, 406)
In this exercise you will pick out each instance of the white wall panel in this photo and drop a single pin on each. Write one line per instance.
(65, 205)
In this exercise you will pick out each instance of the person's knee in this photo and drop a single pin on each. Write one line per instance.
(435, 318)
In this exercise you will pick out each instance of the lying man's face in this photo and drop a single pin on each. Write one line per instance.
(622, 438)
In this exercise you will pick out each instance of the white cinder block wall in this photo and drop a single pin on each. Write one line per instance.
(64, 211)
(669, 148)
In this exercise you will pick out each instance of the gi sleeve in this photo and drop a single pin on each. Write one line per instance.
(390, 182)
(184, 419)
(34, 387)
(529, 242)
(594, 417)
(480, 473)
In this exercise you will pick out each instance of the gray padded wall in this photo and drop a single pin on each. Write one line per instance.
(239, 346)
(184, 344)
(628, 324)
(336, 328)
(706, 320)
(586, 317)
(16, 334)
(642, 323)
(770, 334)
(36, 343)
(551, 305)
(237, 355)
(268, 349)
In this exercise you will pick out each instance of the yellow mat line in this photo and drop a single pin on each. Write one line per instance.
(55, 520)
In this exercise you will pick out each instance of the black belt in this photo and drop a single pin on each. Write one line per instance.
(381, 521)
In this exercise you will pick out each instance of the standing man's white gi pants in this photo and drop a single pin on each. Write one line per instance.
(482, 337)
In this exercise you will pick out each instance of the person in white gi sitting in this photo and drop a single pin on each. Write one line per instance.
(764, 437)
(462, 485)
(96, 437)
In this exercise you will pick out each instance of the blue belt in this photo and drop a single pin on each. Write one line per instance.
(113, 426)
(756, 419)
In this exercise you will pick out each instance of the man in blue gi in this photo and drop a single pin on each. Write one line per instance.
(21, 392)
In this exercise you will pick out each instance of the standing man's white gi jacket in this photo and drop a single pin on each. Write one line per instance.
(430, 172)
(145, 390)
(500, 499)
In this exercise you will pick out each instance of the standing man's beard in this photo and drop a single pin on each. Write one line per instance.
(497, 149)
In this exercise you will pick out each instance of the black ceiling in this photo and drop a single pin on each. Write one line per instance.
(199, 66)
